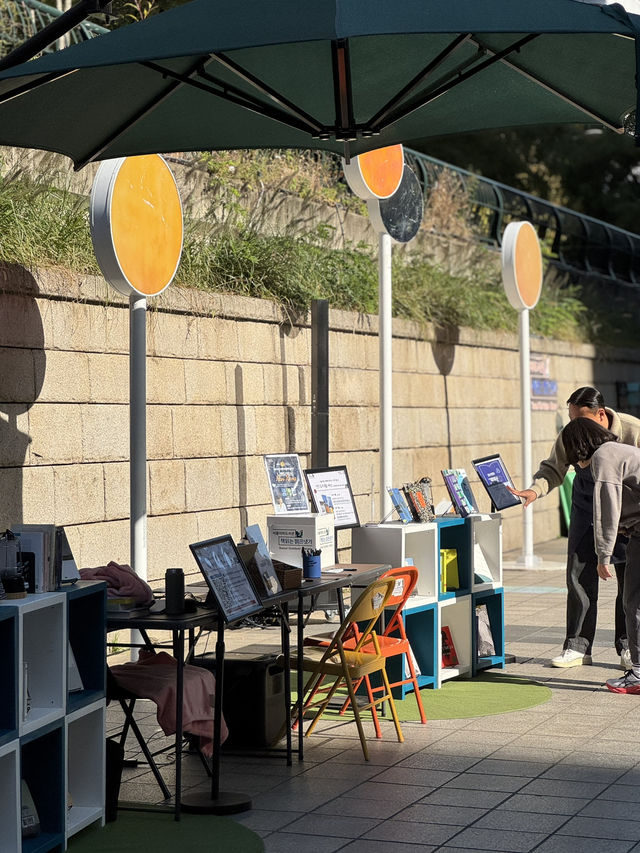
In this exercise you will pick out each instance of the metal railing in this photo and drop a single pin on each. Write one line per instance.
(572, 242)
(21, 19)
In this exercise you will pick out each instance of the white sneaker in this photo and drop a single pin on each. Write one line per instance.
(625, 660)
(570, 657)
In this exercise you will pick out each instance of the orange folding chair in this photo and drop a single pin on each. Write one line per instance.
(393, 641)
(351, 654)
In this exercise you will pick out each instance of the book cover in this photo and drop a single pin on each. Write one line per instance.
(417, 502)
(449, 655)
(485, 647)
(460, 492)
(400, 505)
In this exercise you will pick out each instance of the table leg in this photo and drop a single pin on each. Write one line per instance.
(300, 674)
(178, 650)
(286, 652)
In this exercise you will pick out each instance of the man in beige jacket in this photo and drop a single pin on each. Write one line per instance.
(582, 561)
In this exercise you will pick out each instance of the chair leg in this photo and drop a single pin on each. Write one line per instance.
(145, 749)
(392, 705)
(414, 681)
(356, 714)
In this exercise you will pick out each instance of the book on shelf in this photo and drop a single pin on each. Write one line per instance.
(40, 540)
(460, 492)
(449, 654)
(400, 505)
(485, 647)
(449, 575)
(418, 497)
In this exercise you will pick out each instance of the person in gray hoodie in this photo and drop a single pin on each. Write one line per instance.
(615, 469)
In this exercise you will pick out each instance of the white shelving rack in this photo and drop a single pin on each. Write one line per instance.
(52, 738)
(477, 541)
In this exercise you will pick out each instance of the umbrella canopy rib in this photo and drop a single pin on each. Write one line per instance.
(456, 79)
(554, 90)
(125, 126)
(36, 83)
(382, 113)
(313, 125)
(242, 99)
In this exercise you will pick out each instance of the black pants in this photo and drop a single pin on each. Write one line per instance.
(582, 599)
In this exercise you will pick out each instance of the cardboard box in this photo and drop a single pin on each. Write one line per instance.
(288, 535)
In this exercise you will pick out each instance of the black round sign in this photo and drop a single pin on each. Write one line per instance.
(401, 214)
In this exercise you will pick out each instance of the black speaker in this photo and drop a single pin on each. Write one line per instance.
(252, 700)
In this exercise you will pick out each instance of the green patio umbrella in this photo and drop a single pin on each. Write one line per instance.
(340, 75)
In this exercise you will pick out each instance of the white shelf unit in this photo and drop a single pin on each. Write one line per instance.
(85, 739)
(477, 541)
(59, 745)
(10, 832)
(400, 545)
(486, 551)
(455, 613)
(42, 632)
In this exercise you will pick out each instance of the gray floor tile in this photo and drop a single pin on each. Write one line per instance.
(388, 792)
(411, 776)
(588, 827)
(487, 782)
(561, 788)
(368, 846)
(569, 844)
(578, 773)
(405, 832)
(466, 797)
(451, 815)
(622, 793)
(498, 842)
(334, 826)
(261, 820)
(360, 807)
(505, 767)
(543, 805)
(279, 842)
(608, 809)
(520, 821)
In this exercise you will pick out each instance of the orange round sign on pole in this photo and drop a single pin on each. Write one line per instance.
(376, 174)
(136, 224)
(521, 265)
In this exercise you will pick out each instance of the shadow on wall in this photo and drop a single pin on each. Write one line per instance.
(443, 348)
(22, 370)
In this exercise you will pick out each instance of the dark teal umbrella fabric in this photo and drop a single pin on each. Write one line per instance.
(214, 74)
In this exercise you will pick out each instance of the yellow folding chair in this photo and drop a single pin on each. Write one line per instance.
(339, 664)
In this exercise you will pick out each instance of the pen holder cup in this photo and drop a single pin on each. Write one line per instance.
(310, 566)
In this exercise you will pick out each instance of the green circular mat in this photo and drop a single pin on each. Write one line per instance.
(137, 832)
(489, 693)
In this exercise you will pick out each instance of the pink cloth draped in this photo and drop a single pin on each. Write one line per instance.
(154, 677)
(121, 580)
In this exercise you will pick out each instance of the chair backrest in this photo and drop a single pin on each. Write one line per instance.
(366, 609)
(405, 580)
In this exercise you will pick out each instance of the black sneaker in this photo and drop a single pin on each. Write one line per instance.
(628, 683)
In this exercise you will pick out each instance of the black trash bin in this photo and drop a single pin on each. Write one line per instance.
(114, 759)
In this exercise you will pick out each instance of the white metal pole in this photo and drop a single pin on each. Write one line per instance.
(386, 372)
(528, 558)
(138, 433)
